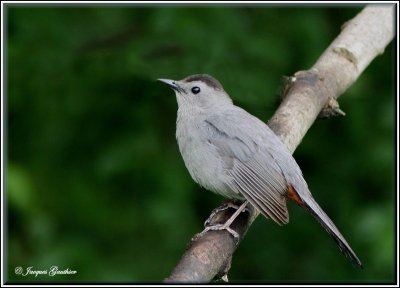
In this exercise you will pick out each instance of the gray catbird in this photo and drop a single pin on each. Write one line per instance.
(232, 153)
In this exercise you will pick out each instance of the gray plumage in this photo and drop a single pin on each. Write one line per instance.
(230, 152)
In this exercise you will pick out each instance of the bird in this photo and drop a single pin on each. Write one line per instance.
(233, 153)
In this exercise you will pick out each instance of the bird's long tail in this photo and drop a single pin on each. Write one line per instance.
(313, 207)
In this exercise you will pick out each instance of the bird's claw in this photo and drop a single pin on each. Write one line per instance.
(219, 227)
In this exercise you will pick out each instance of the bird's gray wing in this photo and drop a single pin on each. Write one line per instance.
(253, 156)
(240, 140)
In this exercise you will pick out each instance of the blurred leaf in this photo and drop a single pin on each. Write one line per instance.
(19, 188)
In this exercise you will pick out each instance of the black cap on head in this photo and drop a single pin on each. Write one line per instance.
(207, 79)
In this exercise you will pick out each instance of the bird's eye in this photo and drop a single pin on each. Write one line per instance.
(195, 90)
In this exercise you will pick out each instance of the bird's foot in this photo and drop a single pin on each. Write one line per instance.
(209, 224)
(219, 227)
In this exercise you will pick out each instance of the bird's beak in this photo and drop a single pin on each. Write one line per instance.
(173, 85)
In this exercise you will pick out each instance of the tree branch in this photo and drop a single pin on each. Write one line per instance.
(309, 94)
(362, 39)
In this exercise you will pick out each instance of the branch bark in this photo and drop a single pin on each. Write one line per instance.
(310, 93)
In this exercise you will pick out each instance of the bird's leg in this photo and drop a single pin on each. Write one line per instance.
(234, 215)
(227, 224)
(226, 205)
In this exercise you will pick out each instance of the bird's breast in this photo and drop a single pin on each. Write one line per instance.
(201, 158)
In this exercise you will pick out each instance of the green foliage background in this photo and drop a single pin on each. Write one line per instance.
(94, 179)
